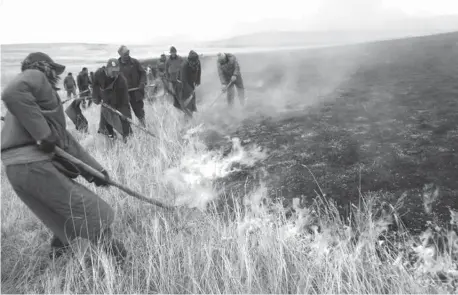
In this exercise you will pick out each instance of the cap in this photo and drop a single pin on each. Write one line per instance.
(123, 50)
(40, 56)
(113, 63)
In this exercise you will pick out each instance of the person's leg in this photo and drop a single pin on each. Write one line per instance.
(230, 96)
(240, 90)
(138, 108)
(69, 94)
(66, 207)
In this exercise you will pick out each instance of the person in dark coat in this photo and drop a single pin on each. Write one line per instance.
(34, 126)
(70, 85)
(84, 82)
(136, 77)
(190, 75)
(229, 72)
(110, 87)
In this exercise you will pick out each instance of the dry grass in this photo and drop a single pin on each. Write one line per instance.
(259, 250)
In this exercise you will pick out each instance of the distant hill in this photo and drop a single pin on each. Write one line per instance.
(392, 30)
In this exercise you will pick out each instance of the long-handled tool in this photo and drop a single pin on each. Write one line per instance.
(127, 119)
(83, 166)
(183, 108)
(98, 174)
(222, 92)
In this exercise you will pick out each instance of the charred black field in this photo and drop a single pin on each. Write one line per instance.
(378, 118)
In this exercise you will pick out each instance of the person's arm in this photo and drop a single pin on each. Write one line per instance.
(19, 98)
(141, 72)
(220, 74)
(78, 80)
(183, 74)
(236, 67)
(199, 72)
(66, 83)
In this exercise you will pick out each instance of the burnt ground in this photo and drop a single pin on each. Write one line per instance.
(376, 117)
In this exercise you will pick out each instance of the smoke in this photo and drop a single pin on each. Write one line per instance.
(276, 84)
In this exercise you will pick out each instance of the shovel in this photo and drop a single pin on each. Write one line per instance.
(75, 114)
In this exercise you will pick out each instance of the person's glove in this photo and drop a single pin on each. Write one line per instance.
(233, 78)
(223, 88)
(101, 182)
(47, 144)
(141, 86)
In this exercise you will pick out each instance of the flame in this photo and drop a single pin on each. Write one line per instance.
(192, 179)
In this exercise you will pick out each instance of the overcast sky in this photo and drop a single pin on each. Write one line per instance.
(139, 21)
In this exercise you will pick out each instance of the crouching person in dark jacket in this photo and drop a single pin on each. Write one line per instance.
(34, 125)
(110, 87)
(190, 74)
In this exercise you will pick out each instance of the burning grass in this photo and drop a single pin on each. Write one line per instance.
(254, 246)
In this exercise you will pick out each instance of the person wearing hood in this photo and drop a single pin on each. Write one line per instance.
(190, 75)
(229, 73)
(84, 82)
(70, 85)
(34, 126)
(110, 87)
(136, 78)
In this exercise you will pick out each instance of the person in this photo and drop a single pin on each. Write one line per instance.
(229, 73)
(172, 72)
(34, 126)
(84, 82)
(110, 87)
(160, 67)
(159, 70)
(70, 85)
(190, 75)
(136, 78)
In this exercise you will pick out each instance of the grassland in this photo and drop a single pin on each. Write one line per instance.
(376, 126)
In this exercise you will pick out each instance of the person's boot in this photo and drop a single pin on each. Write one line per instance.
(58, 248)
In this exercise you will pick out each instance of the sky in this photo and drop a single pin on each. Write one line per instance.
(153, 21)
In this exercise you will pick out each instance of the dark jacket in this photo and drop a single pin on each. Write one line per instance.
(135, 75)
(34, 112)
(83, 81)
(190, 77)
(230, 67)
(160, 67)
(69, 83)
(172, 67)
(113, 92)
